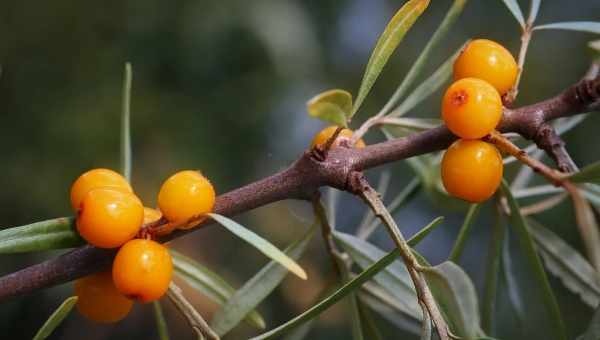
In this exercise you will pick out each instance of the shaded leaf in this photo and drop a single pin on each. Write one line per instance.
(514, 8)
(582, 26)
(56, 318)
(589, 174)
(125, 124)
(261, 244)
(388, 306)
(161, 323)
(535, 265)
(210, 284)
(428, 87)
(336, 296)
(256, 289)
(465, 229)
(56, 233)
(492, 273)
(387, 43)
(567, 264)
(593, 330)
(332, 106)
(419, 65)
(455, 294)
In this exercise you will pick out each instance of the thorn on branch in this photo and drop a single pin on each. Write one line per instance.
(548, 140)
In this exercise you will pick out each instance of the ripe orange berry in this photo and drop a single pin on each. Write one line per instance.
(142, 270)
(472, 170)
(323, 136)
(184, 195)
(96, 178)
(99, 300)
(487, 60)
(151, 215)
(108, 218)
(471, 108)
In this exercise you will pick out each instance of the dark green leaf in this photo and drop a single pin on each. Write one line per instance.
(56, 233)
(455, 294)
(464, 232)
(582, 26)
(589, 174)
(535, 265)
(261, 244)
(567, 264)
(125, 124)
(332, 106)
(161, 323)
(210, 284)
(387, 43)
(56, 318)
(256, 289)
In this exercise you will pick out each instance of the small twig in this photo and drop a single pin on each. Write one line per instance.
(337, 257)
(510, 97)
(321, 151)
(198, 324)
(360, 186)
(550, 141)
(505, 145)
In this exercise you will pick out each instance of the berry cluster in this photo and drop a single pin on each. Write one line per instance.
(110, 215)
(471, 109)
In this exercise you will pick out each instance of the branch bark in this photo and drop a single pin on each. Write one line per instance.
(308, 173)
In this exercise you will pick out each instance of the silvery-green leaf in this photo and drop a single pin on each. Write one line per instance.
(514, 8)
(581, 26)
(56, 233)
(56, 318)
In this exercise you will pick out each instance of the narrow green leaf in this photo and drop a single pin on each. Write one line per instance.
(416, 124)
(464, 232)
(261, 244)
(339, 294)
(528, 248)
(418, 66)
(332, 106)
(161, 323)
(256, 289)
(455, 294)
(492, 273)
(589, 174)
(567, 264)
(533, 11)
(395, 278)
(514, 8)
(125, 124)
(593, 330)
(56, 233)
(387, 43)
(582, 26)
(428, 87)
(56, 318)
(210, 284)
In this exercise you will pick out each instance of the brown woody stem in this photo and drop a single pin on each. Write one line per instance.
(308, 173)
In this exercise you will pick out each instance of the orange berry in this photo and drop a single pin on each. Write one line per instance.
(487, 60)
(151, 215)
(184, 195)
(471, 108)
(93, 179)
(323, 136)
(108, 218)
(99, 300)
(472, 170)
(142, 270)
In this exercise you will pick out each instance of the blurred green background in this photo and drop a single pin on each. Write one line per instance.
(221, 86)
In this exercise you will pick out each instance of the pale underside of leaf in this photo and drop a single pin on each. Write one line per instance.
(581, 26)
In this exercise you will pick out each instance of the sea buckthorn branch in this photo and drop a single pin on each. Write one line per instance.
(361, 187)
(308, 173)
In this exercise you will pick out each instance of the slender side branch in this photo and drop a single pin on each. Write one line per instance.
(308, 174)
(360, 186)
(198, 324)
